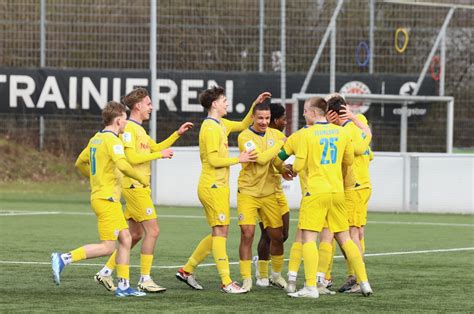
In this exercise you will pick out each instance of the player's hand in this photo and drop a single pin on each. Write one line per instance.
(248, 156)
(333, 117)
(287, 176)
(185, 127)
(261, 98)
(167, 153)
(346, 113)
(291, 170)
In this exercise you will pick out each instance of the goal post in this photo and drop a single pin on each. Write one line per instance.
(380, 99)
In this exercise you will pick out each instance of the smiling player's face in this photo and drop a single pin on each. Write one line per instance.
(261, 120)
(145, 107)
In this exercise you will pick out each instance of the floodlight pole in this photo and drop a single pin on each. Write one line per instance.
(261, 35)
(153, 88)
(283, 53)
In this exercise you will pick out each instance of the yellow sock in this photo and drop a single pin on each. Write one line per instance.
(350, 269)
(329, 273)
(111, 261)
(263, 268)
(296, 253)
(354, 257)
(277, 263)
(220, 256)
(145, 264)
(362, 244)
(310, 262)
(123, 271)
(246, 269)
(325, 257)
(78, 254)
(200, 253)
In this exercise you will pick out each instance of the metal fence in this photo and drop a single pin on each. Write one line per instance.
(225, 35)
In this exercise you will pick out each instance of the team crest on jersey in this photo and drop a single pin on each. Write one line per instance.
(127, 137)
(221, 217)
(241, 217)
(270, 142)
(118, 149)
(149, 211)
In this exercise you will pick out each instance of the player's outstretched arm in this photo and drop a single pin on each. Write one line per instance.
(82, 163)
(135, 158)
(237, 126)
(267, 156)
(128, 170)
(158, 147)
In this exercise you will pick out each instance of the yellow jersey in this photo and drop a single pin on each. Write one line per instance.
(102, 152)
(290, 147)
(361, 162)
(323, 148)
(136, 138)
(258, 178)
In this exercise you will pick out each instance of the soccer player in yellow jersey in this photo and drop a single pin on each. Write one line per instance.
(288, 150)
(323, 149)
(103, 161)
(256, 196)
(278, 122)
(140, 150)
(360, 136)
(213, 187)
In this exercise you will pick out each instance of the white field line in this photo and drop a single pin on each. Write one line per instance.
(5, 213)
(236, 263)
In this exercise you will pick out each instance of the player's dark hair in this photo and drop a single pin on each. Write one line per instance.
(264, 106)
(208, 96)
(335, 103)
(135, 96)
(277, 111)
(318, 104)
(111, 111)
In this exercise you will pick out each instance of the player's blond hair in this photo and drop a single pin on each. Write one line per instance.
(111, 111)
(135, 96)
(318, 104)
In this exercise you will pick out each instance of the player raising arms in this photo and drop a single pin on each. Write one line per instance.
(277, 122)
(323, 150)
(100, 161)
(213, 187)
(257, 197)
(140, 212)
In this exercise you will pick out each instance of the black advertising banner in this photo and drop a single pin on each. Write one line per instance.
(49, 91)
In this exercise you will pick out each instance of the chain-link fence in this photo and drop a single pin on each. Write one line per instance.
(223, 35)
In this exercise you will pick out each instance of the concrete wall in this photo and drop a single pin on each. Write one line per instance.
(430, 183)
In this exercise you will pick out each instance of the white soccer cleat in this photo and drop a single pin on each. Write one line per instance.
(188, 278)
(233, 288)
(366, 289)
(306, 292)
(263, 282)
(105, 281)
(323, 290)
(291, 286)
(278, 281)
(247, 284)
(354, 289)
(150, 286)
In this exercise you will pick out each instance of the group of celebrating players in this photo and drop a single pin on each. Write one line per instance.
(331, 158)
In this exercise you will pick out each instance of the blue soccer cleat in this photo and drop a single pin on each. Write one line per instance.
(57, 266)
(129, 292)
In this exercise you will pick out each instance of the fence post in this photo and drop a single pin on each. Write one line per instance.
(283, 52)
(41, 133)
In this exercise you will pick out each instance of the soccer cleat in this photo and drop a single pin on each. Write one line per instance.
(354, 289)
(247, 284)
(291, 286)
(366, 289)
(188, 279)
(57, 266)
(106, 281)
(350, 281)
(233, 288)
(278, 281)
(150, 286)
(323, 290)
(328, 283)
(129, 292)
(263, 282)
(306, 292)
